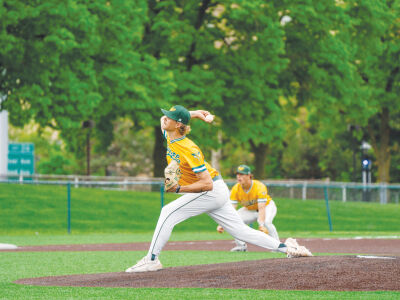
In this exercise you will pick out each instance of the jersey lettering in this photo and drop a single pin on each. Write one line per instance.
(190, 159)
(173, 155)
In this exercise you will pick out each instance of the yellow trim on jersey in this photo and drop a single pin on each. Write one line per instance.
(257, 193)
(189, 157)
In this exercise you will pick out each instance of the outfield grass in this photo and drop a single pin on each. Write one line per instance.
(42, 209)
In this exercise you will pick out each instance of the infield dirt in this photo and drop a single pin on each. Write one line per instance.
(336, 273)
(339, 273)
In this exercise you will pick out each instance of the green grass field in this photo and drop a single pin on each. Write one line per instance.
(43, 209)
(36, 215)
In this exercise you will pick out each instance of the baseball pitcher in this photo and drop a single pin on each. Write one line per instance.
(203, 191)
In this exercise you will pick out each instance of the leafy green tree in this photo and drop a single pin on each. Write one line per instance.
(129, 154)
(252, 41)
(224, 55)
(57, 163)
(307, 155)
(63, 63)
(345, 69)
(173, 32)
(320, 80)
(376, 40)
(45, 51)
(255, 64)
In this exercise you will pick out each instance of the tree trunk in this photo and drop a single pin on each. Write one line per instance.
(159, 153)
(384, 166)
(191, 61)
(382, 147)
(260, 152)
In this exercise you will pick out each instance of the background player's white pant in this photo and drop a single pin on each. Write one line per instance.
(216, 204)
(250, 216)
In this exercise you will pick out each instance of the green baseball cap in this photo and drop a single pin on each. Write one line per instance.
(178, 113)
(243, 169)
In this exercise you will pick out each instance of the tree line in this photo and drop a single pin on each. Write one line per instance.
(296, 85)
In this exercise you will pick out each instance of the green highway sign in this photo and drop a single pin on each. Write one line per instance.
(21, 158)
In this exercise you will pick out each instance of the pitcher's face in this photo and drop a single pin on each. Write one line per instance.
(168, 124)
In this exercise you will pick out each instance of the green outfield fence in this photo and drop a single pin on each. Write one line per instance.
(295, 189)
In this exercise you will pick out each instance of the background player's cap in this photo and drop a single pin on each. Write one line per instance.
(178, 113)
(243, 169)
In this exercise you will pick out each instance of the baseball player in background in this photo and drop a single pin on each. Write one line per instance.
(256, 204)
(204, 191)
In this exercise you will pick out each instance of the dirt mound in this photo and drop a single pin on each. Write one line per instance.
(338, 273)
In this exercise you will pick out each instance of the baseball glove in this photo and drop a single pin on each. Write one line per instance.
(263, 229)
(172, 175)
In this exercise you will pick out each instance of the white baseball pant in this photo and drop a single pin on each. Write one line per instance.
(250, 216)
(217, 205)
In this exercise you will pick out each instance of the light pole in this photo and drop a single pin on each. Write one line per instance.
(366, 169)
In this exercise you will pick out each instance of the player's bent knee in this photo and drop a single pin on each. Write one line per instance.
(165, 211)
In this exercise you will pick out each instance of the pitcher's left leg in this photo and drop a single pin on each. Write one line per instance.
(177, 211)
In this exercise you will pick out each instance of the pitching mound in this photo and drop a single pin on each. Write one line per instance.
(338, 273)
